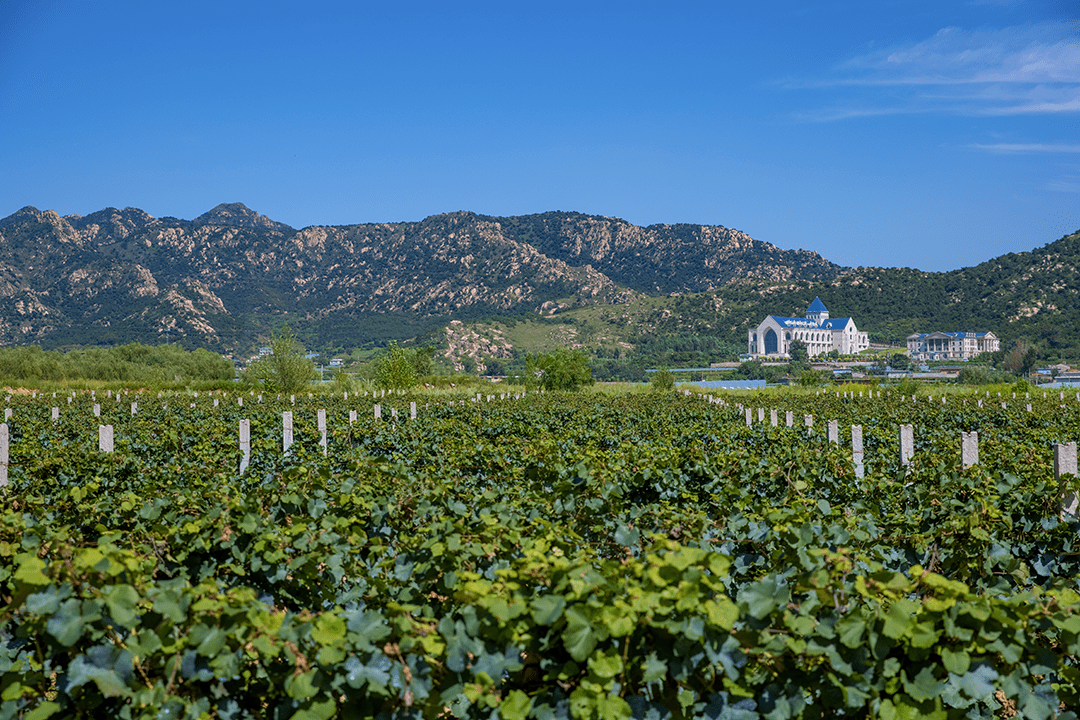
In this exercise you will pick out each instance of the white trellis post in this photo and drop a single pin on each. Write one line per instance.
(105, 438)
(412, 410)
(286, 431)
(907, 444)
(834, 432)
(5, 443)
(857, 450)
(772, 417)
(789, 418)
(809, 420)
(749, 417)
(1065, 464)
(378, 411)
(322, 429)
(245, 444)
(969, 448)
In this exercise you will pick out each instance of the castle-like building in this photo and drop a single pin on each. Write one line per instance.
(951, 345)
(820, 333)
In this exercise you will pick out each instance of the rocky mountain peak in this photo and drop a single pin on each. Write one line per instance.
(26, 214)
(110, 224)
(238, 214)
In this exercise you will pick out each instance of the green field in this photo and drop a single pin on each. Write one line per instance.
(594, 555)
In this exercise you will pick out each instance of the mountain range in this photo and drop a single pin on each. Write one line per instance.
(228, 277)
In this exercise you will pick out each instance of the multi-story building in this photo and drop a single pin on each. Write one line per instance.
(820, 333)
(951, 345)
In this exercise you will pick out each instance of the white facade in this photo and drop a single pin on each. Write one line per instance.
(951, 345)
(820, 333)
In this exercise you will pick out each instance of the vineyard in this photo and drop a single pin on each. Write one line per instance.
(648, 556)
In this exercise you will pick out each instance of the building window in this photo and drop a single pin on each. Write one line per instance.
(770, 342)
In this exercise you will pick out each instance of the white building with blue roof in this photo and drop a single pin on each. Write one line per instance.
(820, 333)
(951, 345)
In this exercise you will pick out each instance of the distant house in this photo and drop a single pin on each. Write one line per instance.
(336, 362)
(951, 345)
(820, 333)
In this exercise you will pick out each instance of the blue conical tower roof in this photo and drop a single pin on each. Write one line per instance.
(816, 306)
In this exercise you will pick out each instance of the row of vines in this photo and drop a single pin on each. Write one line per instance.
(646, 556)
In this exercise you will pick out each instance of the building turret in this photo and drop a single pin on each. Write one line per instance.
(817, 311)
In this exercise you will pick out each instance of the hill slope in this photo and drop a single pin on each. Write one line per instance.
(222, 279)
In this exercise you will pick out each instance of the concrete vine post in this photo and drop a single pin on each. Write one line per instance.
(245, 444)
(5, 441)
(907, 444)
(105, 438)
(322, 430)
(1065, 464)
(857, 450)
(969, 448)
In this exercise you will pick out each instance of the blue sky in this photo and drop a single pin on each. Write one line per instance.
(930, 134)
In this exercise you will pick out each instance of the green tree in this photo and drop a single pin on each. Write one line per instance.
(798, 351)
(662, 380)
(562, 369)
(394, 369)
(285, 369)
(421, 359)
(982, 375)
(1021, 359)
(341, 379)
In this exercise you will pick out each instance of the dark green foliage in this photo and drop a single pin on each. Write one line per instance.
(134, 362)
(982, 375)
(1021, 359)
(562, 370)
(797, 352)
(286, 369)
(662, 380)
(646, 556)
(399, 368)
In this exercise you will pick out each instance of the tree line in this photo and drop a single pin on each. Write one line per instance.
(133, 362)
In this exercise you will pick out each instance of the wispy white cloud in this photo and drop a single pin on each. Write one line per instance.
(1072, 186)
(1043, 53)
(1028, 148)
(1032, 69)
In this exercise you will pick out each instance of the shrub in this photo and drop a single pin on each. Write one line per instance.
(394, 369)
(562, 369)
(662, 380)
